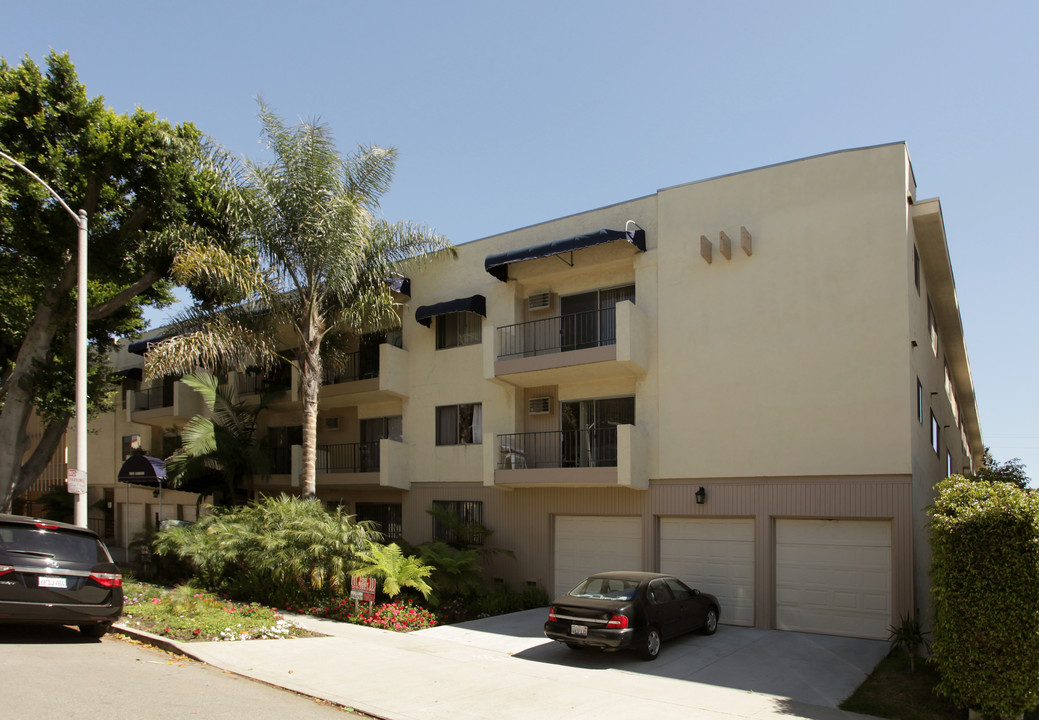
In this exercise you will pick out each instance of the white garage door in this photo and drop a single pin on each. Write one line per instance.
(834, 577)
(592, 544)
(714, 555)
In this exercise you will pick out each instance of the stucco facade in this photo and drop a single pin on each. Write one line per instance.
(759, 335)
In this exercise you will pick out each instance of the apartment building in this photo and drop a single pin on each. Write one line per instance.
(752, 382)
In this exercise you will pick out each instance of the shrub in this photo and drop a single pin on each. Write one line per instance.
(277, 550)
(985, 584)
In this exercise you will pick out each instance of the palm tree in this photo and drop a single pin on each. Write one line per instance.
(322, 260)
(220, 453)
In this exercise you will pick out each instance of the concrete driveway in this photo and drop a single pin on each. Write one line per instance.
(817, 669)
(504, 668)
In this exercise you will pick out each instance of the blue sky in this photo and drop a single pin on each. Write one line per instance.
(507, 114)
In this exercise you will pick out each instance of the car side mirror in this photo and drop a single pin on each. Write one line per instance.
(695, 593)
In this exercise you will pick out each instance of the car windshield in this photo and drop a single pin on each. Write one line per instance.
(68, 547)
(599, 588)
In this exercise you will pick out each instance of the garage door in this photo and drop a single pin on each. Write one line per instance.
(591, 544)
(834, 577)
(716, 556)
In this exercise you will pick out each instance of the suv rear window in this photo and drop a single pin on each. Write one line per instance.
(67, 547)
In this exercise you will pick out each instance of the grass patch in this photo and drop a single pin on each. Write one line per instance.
(891, 691)
(185, 613)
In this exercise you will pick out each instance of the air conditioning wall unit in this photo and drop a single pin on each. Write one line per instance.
(540, 302)
(540, 406)
(332, 423)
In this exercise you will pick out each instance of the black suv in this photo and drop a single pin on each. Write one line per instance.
(58, 574)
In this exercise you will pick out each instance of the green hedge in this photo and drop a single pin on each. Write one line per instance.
(985, 586)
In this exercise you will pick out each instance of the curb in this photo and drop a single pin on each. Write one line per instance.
(155, 640)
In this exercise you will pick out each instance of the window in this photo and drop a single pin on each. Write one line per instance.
(589, 319)
(280, 440)
(131, 445)
(460, 424)
(916, 269)
(389, 517)
(932, 328)
(589, 430)
(464, 513)
(948, 464)
(935, 430)
(375, 429)
(919, 402)
(459, 328)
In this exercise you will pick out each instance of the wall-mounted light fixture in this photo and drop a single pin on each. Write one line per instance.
(701, 496)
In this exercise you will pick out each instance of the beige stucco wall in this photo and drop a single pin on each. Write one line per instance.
(790, 361)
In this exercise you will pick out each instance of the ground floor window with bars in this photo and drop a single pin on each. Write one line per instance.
(460, 516)
(389, 517)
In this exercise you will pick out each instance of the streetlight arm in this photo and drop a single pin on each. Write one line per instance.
(40, 180)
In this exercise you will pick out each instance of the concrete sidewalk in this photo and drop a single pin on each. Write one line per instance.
(499, 668)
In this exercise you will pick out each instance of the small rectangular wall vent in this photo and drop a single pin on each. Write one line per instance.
(331, 423)
(540, 406)
(541, 301)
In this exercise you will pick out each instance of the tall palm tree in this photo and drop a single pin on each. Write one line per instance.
(220, 452)
(322, 260)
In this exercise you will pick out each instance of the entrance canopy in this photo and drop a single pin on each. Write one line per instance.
(143, 470)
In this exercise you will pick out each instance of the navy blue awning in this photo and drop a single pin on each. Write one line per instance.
(498, 264)
(140, 347)
(475, 304)
(143, 470)
(131, 373)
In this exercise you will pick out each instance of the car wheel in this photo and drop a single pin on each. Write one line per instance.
(95, 630)
(651, 644)
(710, 623)
(575, 646)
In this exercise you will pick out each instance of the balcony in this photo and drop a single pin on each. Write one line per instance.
(381, 463)
(605, 457)
(595, 345)
(368, 378)
(166, 405)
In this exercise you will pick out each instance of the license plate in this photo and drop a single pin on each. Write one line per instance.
(579, 630)
(49, 581)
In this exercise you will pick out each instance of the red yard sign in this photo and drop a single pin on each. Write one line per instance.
(362, 588)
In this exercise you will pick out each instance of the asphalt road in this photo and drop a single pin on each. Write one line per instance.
(54, 673)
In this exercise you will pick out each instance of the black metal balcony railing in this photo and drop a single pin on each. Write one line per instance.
(348, 457)
(594, 328)
(254, 384)
(153, 397)
(559, 449)
(358, 366)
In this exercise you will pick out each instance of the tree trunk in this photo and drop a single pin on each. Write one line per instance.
(310, 388)
(17, 394)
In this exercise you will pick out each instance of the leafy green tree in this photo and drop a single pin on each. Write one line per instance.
(323, 256)
(220, 453)
(151, 191)
(396, 570)
(1011, 471)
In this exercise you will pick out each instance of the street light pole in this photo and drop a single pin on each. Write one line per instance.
(80, 471)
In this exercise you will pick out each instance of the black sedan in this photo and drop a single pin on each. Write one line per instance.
(631, 610)
(59, 574)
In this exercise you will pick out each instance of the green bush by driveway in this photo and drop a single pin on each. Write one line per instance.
(985, 585)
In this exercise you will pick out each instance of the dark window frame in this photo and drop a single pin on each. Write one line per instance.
(460, 432)
(458, 329)
(467, 511)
